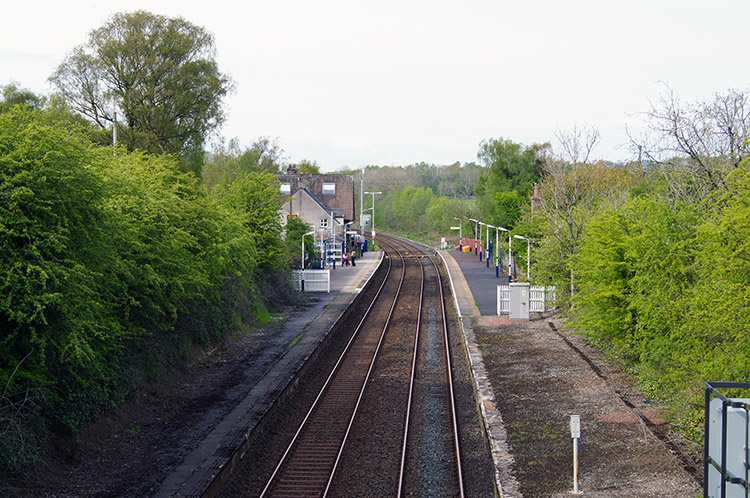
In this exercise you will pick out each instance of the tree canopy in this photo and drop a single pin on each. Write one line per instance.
(112, 266)
(505, 185)
(158, 74)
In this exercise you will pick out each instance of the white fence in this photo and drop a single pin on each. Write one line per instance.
(503, 300)
(315, 280)
(541, 299)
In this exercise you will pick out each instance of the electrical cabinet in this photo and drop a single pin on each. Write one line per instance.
(519, 301)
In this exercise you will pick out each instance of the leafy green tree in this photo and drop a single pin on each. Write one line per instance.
(509, 177)
(570, 195)
(110, 266)
(228, 161)
(307, 167)
(717, 326)
(295, 228)
(459, 181)
(264, 154)
(161, 76)
(604, 268)
(636, 278)
(12, 95)
(256, 199)
(56, 337)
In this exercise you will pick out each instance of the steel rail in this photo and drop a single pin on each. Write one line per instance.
(276, 473)
(369, 372)
(411, 384)
(449, 379)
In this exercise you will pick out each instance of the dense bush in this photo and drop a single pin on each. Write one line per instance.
(110, 266)
(664, 284)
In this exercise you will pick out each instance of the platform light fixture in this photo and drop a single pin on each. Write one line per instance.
(488, 243)
(476, 231)
(373, 212)
(509, 253)
(482, 251)
(460, 233)
(497, 249)
(528, 254)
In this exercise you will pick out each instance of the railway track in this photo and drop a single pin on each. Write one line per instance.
(383, 423)
(431, 452)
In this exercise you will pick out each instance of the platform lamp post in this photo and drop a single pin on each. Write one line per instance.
(481, 249)
(497, 251)
(373, 213)
(476, 226)
(362, 202)
(528, 254)
(460, 234)
(498, 239)
(489, 254)
(302, 286)
(333, 241)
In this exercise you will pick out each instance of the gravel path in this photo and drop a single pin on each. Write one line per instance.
(538, 380)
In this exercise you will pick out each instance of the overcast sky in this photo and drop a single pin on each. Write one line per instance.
(349, 83)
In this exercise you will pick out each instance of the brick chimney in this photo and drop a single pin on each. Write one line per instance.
(536, 199)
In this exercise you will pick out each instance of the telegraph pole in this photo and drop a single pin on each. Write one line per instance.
(362, 202)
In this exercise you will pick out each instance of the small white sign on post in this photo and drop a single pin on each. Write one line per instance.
(575, 426)
(575, 433)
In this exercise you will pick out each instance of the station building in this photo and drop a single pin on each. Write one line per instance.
(326, 202)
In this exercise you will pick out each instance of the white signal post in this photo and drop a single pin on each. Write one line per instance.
(362, 202)
(575, 433)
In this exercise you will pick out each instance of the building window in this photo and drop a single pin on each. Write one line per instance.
(329, 189)
(324, 223)
(286, 188)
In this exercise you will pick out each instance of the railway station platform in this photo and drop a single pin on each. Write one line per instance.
(475, 284)
(298, 337)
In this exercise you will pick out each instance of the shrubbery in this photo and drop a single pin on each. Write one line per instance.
(110, 266)
(664, 284)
